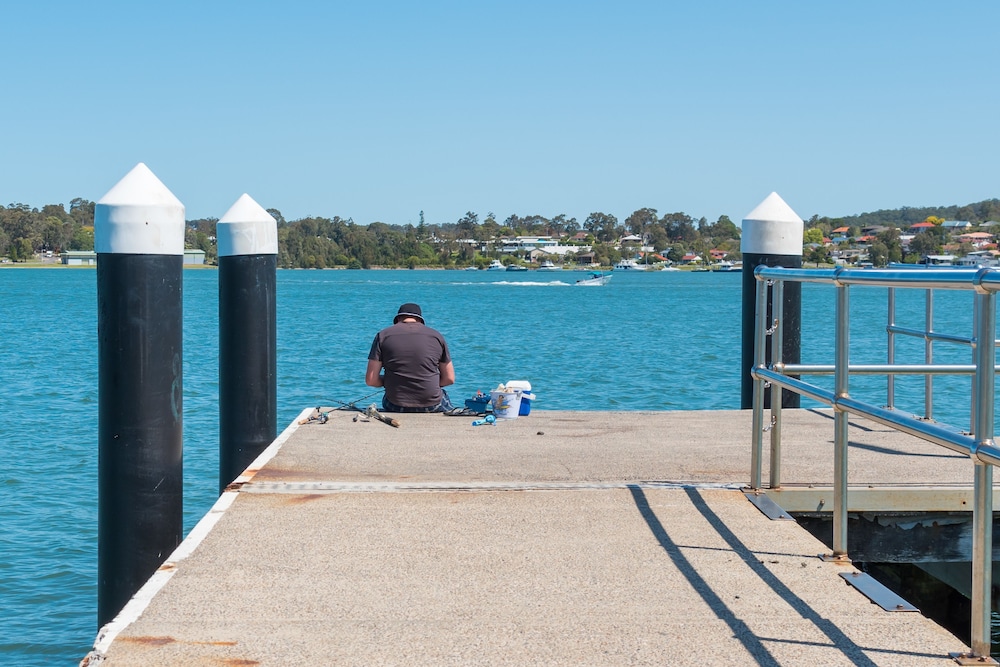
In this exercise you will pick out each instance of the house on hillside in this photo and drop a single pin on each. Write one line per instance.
(956, 225)
(978, 239)
(979, 258)
(849, 256)
(921, 226)
(840, 235)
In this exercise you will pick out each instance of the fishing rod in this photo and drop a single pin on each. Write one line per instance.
(370, 411)
(353, 404)
(321, 416)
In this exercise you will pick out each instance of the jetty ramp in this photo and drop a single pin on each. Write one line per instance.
(559, 538)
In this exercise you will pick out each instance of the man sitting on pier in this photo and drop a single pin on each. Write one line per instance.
(416, 361)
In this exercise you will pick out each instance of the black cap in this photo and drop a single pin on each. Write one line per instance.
(408, 310)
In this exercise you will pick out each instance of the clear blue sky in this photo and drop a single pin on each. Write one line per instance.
(378, 110)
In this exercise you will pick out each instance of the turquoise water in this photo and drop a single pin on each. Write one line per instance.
(660, 341)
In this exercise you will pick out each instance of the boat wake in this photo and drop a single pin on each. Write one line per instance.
(532, 283)
(518, 283)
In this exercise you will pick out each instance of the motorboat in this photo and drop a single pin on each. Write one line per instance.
(547, 265)
(516, 267)
(629, 265)
(725, 266)
(496, 265)
(594, 278)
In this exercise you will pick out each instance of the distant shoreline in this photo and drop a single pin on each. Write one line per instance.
(59, 265)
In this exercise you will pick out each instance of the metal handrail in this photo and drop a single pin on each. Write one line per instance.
(978, 443)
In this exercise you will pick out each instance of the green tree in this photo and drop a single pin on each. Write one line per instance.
(421, 227)
(878, 254)
(602, 226)
(276, 214)
(467, 224)
(893, 244)
(722, 229)
(818, 255)
(82, 212)
(925, 243)
(83, 239)
(640, 221)
(25, 251)
(679, 227)
(812, 235)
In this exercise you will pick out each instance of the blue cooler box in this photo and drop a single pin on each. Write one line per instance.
(526, 396)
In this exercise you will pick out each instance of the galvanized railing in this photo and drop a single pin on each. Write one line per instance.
(977, 442)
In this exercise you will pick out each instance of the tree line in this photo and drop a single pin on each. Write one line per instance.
(26, 232)
(318, 242)
(884, 243)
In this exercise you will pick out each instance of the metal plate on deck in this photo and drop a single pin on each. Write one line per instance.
(770, 508)
(876, 592)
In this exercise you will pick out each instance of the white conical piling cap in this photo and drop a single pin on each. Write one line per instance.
(772, 228)
(139, 216)
(247, 229)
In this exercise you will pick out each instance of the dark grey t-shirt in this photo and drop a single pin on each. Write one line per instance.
(411, 354)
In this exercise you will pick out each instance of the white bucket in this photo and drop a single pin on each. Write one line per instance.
(506, 404)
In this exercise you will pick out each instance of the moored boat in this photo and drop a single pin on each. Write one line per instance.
(496, 265)
(547, 265)
(516, 267)
(629, 264)
(725, 266)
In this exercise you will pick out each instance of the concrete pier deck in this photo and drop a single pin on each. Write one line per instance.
(559, 538)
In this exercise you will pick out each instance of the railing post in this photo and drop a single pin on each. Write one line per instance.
(982, 516)
(929, 355)
(777, 341)
(840, 423)
(890, 387)
(976, 307)
(757, 446)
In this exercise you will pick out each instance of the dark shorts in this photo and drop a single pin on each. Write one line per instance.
(443, 406)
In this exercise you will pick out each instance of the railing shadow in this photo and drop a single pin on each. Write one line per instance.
(752, 643)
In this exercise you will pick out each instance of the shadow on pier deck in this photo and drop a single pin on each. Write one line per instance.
(561, 538)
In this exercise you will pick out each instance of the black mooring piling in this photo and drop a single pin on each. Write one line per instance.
(771, 236)
(248, 253)
(139, 238)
